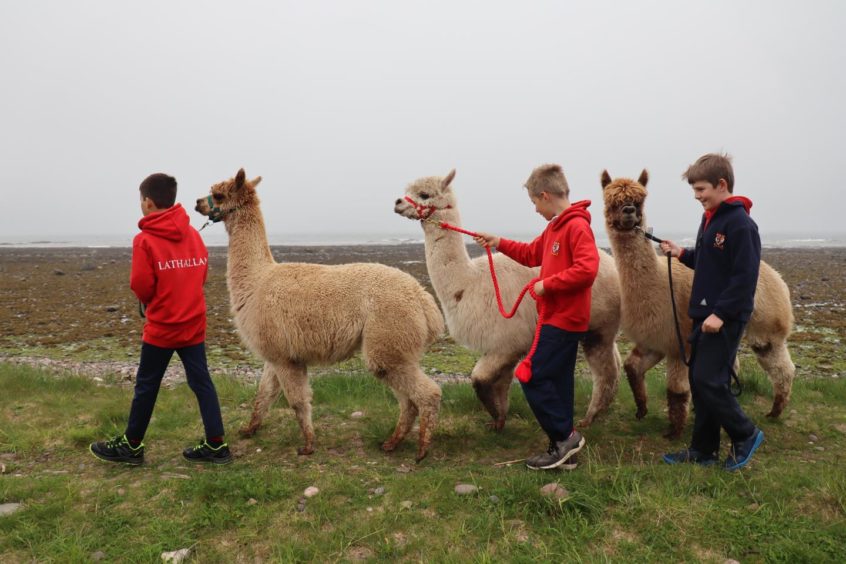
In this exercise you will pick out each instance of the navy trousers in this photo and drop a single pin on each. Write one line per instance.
(550, 390)
(711, 360)
(151, 370)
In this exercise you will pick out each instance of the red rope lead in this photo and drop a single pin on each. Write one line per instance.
(523, 372)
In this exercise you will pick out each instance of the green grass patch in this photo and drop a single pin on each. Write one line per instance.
(623, 503)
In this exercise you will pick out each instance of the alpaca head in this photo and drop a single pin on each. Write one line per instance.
(624, 199)
(427, 197)
(228, 196)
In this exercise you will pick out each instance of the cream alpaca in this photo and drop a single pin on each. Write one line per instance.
(647, 316)
(296, 314)
(464, 288)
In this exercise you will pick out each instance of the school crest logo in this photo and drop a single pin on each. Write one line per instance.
(555, 248)
(720, 241)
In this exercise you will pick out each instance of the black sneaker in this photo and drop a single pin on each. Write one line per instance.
(559, 454)
(690, 455)
(741, 453)
(204, 452)
(118, 450)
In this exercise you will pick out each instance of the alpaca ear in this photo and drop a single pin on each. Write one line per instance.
(447, 179)
(643, 179)
(605, 179)
(239, 179)
(255, 181)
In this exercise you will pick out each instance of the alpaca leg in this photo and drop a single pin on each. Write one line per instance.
(408, 413)
(604, 360)
(426, 395)
(637, 364)
(268, 391)
(487, 376)
(501, 392)
(295, 385)
(776, 362)
(678, 397)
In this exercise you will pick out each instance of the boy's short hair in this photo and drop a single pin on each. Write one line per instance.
(161, 188)
(711, 168)
(548, 178)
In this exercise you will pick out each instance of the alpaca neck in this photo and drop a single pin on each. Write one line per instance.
(637, 263)
(249, 252)
(447, 259)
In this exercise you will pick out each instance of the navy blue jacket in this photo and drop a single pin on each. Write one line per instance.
(726, 261)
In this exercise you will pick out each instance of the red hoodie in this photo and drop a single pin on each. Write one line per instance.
(169, 268)
(566, 252)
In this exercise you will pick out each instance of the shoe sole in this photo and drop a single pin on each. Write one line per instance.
(564, 466)
(699, 462)
(219, 462)
(560, 463)
(127, 461)
(759, 439)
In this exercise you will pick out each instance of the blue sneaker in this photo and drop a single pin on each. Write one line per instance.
(690, 455)
(741, 453)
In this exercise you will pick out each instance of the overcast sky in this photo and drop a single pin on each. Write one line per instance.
(339, 105)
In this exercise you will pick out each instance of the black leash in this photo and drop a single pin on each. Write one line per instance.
(695, 335)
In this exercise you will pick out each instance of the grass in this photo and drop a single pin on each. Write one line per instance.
(623, 504)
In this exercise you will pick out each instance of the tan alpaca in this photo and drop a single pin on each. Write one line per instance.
(467, 297)
(296, 314)
(647, 315)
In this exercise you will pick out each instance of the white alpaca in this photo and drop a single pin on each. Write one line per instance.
(296, 314)
(465, 291)
(647, 315)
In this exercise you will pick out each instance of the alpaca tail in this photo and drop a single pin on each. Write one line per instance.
(434, 318)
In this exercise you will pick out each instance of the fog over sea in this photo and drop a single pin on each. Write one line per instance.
(215, 236)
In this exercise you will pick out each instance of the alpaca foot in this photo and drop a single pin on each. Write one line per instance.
(672, 433)
(305, 450)
(496, 424)
(248, 431)
(584, 423)
(389, 445)
(421, 454)
(641, 412)
(778, 406)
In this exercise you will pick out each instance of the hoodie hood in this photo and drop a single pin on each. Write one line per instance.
(747, 203)
(576, 209)
(734, 201)
(170, 224)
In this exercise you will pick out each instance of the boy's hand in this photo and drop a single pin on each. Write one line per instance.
(712, 324)
(486, 240)
(670, 247)
(539, 288)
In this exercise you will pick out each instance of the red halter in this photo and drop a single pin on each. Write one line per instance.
(523, 372)
(423, 212)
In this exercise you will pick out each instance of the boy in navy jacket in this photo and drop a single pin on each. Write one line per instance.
(169, 269)
(726, 261)
(566, 252)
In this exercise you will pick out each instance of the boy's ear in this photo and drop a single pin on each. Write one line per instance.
(256, 181)
(239, 179)
(605, 179)
(643, 179)
(447, 179)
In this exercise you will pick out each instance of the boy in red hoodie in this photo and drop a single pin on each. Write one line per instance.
(566, 252)
(169, 269)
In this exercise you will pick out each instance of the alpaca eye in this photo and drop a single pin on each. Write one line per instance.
(424, 196)
(217, 197)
